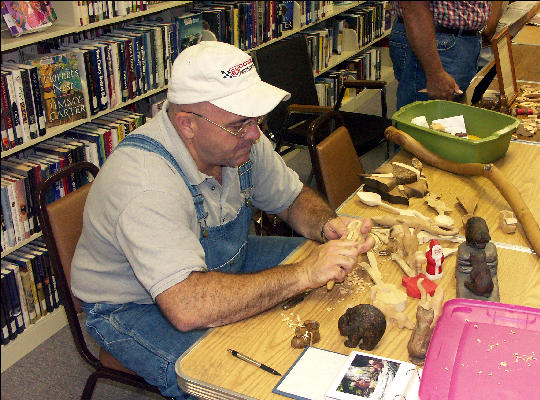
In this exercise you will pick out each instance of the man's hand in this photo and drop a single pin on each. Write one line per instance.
(330, 261)
(336, 228)
(442, 86)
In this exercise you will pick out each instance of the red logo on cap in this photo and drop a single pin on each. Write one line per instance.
(239, 69)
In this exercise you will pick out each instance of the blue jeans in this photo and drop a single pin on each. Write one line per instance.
(458, 54)
(143, 340)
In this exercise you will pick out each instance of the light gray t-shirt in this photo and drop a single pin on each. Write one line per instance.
(140, 231)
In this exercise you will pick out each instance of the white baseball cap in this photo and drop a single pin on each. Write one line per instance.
(225, 76)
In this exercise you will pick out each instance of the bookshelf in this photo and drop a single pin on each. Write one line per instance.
(50, 324)
(11, 43)
(66, 127)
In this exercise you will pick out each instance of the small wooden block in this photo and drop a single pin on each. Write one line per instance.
(507, 221)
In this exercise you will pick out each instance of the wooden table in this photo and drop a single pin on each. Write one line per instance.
(208, 371)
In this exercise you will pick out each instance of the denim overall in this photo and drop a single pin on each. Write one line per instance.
(138, 335)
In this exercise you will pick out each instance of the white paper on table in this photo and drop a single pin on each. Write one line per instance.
(311, 375)
(452, 125)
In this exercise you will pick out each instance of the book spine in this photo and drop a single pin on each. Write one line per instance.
(40, 290)
(110, 75)
(84, 13)
(102, 78)
(28, 291)
(4, 324)
(160, 57)
(44, 278)
(17, 123)
(97, 79)
(38, 102)
(117, 73)
(25, 267)
(21, 106)
(91, 14)
(14, 300)
(137, 66)
(7, 114)
(144, 69)
(8, 213)
(29, 102)
(8, 311)
(167, 52)
(30, 210)
(17, 220)
(27, 303)
(20, 195)
(90, 82)
(131, 74)
(46, 260)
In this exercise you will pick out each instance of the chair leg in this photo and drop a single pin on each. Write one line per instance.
(89, 387)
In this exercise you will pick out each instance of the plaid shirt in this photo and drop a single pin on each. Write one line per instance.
(466, 15)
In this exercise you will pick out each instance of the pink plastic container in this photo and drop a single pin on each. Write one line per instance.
(483, 350)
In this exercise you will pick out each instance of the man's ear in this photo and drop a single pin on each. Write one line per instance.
(184, 125)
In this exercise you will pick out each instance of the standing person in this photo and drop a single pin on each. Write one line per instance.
(164, 251)
(434, 47)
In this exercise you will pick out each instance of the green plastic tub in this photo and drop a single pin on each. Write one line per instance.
(494, 129)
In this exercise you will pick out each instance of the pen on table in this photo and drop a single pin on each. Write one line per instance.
(252, 361)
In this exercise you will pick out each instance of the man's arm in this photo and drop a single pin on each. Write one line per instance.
(308, 213)
(493, 20)
(420, 30)
(207, 299)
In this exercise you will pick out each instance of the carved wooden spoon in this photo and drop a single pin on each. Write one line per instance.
(374, 199)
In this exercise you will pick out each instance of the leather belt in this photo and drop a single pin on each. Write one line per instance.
(450, 31)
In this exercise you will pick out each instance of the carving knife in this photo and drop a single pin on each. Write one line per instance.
(292, 301)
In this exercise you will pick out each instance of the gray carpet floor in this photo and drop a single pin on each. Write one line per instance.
(55, 371)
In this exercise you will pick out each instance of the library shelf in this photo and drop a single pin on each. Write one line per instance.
(10, 43)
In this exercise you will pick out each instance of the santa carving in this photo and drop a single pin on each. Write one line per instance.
(435, 258)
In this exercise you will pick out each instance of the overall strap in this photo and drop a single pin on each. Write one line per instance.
(245, 175)
(146, 143)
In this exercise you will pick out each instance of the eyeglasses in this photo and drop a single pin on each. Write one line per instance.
(240, 132)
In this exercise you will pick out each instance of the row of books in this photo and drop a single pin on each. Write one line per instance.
(81, 13)
(28, 289)
(367, 20)
(83, 78)
(248, 24)
(22, 173)
(326, 38)
(366, 66)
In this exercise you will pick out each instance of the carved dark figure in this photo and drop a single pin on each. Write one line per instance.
(477, 232)
(480, 282)
(364, 326)
(478, 285)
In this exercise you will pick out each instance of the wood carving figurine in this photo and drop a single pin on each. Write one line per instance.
(306, 335)
(480, 282)
(507, 221)
(435, 258)
(477, 241)
(364, 326)
(428, 311)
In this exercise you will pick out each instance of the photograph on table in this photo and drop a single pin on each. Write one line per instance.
(366, 376)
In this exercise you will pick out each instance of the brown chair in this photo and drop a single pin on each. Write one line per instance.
(336, 165)
(61, 223)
